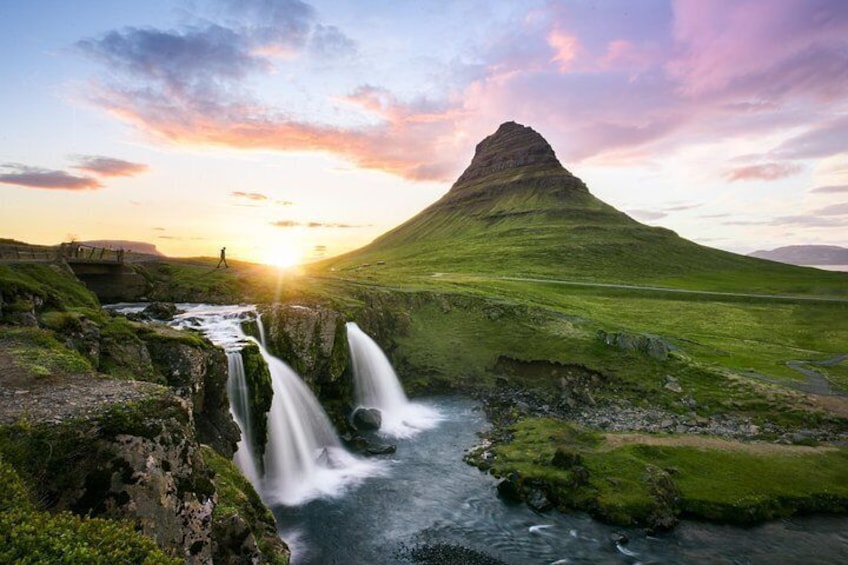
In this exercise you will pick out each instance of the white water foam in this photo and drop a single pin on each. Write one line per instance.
(377, 386)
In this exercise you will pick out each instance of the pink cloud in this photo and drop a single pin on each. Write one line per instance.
(723, 42)
(566, 48)
(767, 171)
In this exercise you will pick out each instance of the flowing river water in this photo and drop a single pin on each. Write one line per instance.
(431, 498)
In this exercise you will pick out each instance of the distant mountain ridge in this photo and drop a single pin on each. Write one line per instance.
(805, 254)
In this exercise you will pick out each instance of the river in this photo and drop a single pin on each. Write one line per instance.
(430, 499)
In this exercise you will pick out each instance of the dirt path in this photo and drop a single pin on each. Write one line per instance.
(701, 442)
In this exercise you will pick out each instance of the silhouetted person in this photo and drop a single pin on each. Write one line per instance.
(223, 259)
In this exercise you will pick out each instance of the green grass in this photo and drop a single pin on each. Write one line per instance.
(54, 284)
(739, 485)
(40, 353)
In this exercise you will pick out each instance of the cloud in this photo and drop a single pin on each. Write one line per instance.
(108, 166)
(766, 171)
(823, 141)
(37, 177)
(312, 225)
(725, 44)
(801, 220)
(830, 189)
(840, 209)
(681, 207)
(255, 196)
(605, 81)
(647, 215)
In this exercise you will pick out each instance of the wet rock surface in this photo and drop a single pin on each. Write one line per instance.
(447, 554)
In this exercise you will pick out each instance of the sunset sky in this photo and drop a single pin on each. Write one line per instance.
(287, 129)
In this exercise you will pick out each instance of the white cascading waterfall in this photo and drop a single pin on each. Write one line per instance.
(304, 458)
(377, 386)
(239, 395)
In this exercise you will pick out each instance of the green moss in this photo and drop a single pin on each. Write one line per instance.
(236, 496)
(32, 536)
(261, 395)
(155, 333)
(54, 284)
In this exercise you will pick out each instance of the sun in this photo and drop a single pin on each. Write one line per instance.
(283, 256)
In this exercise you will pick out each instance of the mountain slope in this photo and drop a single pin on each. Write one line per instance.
(516, 211)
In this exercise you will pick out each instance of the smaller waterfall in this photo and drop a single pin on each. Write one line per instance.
(377, 386)
(261, 327)
(239, 395)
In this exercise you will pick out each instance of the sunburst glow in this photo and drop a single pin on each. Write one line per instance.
(283, 256)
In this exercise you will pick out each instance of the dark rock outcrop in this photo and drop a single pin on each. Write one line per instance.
(313, 341)
(367, 419)
(198, 372)
(651, 345)
(512, 146)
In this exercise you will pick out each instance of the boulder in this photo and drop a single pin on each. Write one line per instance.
(164, 311)
(510, 488)
(367, 419)
(651, 345)
(564, 459)
(538, 500)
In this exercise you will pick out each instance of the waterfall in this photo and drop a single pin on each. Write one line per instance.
(304, 458)
(377, 386)
(261, 327)
(239, 395)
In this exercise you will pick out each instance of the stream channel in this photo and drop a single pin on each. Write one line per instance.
(430, 499)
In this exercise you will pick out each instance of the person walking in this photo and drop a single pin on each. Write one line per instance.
(223, 259)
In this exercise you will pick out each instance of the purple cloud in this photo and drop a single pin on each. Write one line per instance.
(824, 141)
(603, 80)
(37, 177)
(109, 166)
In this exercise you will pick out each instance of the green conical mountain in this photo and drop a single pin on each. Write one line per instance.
(516, 211)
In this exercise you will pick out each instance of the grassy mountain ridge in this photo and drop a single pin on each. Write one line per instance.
(538, 220)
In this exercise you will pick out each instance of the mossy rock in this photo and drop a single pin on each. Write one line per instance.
(261, 395)
(242, 526)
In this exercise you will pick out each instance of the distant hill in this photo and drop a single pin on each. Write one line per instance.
(806, 255)
(517, 212)
(126, 245)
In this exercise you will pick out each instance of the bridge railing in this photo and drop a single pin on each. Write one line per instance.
(80, 253)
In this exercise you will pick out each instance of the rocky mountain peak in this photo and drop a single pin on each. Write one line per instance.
(511, 146)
